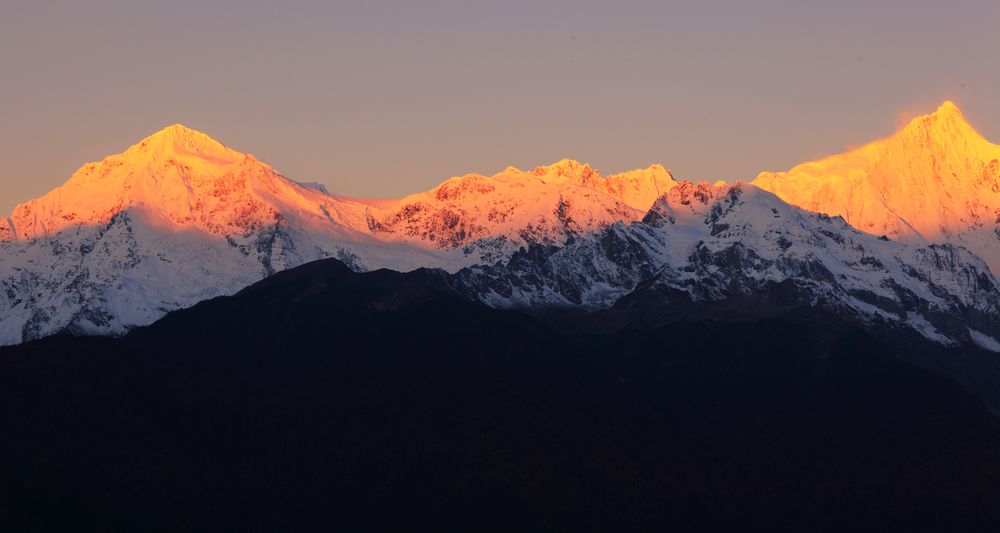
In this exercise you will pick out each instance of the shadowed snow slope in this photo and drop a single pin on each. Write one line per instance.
(316, 398)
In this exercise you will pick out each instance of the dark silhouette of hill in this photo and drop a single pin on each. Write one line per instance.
(323, 399)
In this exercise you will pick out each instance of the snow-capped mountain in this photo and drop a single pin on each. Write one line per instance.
(936, 180)
(716, 242)
(175, 219)
(179, 217)
(489, 218)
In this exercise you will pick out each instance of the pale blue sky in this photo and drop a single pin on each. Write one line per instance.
(387, 98)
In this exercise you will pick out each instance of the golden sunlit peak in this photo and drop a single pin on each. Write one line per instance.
(176, 127)
(562, 167)
(176, 131)
(947, 114)
(948, 108)
(934, 179)
(179, 131)
(565, 170)
(949, 111)
(179, 140)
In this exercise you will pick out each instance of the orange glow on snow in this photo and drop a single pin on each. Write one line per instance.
(934, 177)
(184, 181)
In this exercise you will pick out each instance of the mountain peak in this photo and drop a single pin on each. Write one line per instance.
(945, 122)
(937, 179)
(178, 176)
(179, 141)
(948, 108)
(176, 129)
(565, 169)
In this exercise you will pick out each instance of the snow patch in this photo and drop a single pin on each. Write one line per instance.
(984, 341)
(926, 329)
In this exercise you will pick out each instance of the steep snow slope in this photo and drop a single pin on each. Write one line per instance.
(936, 180)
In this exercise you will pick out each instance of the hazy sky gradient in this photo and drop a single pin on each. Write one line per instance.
(388, 98)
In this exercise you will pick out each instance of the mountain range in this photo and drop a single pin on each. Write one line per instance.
(179, 218)
(195, 341)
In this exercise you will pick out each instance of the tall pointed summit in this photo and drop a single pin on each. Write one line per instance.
(177, 176)
(935, 180)
(945, 128)
(179, 141)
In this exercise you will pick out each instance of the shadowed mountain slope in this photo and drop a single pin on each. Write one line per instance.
(321, 398)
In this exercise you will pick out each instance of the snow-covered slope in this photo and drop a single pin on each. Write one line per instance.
(724, 241)
(176, 180)
(489, 218)
(179, 217)
(936, 180)
(175, 219)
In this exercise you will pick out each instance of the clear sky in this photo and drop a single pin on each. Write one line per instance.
(382, 99)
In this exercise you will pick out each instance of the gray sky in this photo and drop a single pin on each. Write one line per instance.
(387, 98)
